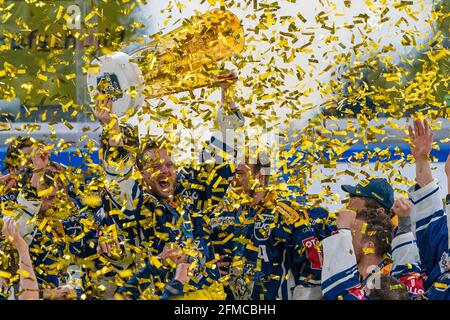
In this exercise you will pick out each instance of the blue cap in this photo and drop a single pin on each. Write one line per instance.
(377, 189)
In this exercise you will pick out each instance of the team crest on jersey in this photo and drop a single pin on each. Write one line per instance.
(263, 226)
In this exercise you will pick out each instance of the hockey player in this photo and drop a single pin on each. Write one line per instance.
(429, 218)
(356, 256)
(275, 246)
(168, 209)
(371, 193)
(16, 161)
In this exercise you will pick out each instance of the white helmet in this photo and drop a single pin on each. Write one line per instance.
(118, 76)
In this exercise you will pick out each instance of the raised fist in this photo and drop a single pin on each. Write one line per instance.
(346, 219)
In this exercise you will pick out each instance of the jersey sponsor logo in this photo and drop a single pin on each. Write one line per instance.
(358, 292)
(307, 230)
(263, 228)
(312, 252)
(414, 284)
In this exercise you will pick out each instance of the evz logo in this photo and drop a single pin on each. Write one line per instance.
(109, 84)
(263, 226)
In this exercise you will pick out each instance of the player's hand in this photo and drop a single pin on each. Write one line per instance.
(402, 208)
(3, 285)
(421, 139)
(346, 219)
(175, 255)
(66, 292)
(223, 265)
(109, 246)
(12, 234)
(182, 273)
(103, 111)
(5, 178)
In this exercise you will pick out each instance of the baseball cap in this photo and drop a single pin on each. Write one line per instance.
(377, 189)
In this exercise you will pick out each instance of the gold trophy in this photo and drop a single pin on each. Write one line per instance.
(181, 60)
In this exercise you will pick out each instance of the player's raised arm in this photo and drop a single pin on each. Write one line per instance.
(421, 144)
(120, 147)
(229, 118)
(428, 217)
(109, 121)
(29, 289)
(340, 277)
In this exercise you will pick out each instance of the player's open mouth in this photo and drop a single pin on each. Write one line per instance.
(164, 183)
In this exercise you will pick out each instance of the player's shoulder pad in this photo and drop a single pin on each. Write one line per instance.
(289, 210)
(318, 213)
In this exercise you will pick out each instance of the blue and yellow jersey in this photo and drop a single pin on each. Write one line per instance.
(279, 250)
(183, 222)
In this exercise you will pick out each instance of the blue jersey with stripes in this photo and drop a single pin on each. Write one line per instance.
(431, 228)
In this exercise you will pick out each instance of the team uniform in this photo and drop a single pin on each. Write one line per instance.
(431, 228)
(183, 221)
(189, 231)
(279, 251)
(341, 279)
